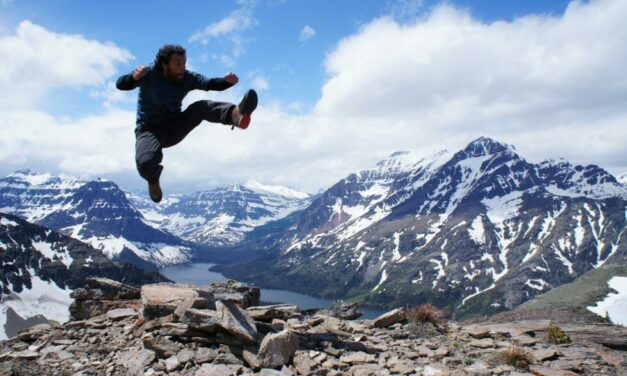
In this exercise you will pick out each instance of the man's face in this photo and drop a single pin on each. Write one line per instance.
(175, 70)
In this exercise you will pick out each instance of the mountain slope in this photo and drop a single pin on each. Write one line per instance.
(39, 268)
(96, 212)
(221, 216)
(477, 232)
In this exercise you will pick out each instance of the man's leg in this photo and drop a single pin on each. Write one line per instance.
(214, 112)
(148, 156)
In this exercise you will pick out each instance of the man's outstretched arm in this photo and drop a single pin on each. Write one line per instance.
(131, 81)
(215, 84)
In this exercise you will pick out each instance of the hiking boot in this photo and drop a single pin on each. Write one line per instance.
(154, 190)
(241, 112)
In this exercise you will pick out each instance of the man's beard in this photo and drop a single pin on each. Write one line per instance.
(178, 78)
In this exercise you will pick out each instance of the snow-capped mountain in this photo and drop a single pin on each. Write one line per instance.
(478, 231)
(96, 212)
(39, 268)
(623, 179)
(221, 217)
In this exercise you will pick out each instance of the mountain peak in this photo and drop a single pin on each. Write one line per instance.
(487, 146)
(275, 189)
(31, 177)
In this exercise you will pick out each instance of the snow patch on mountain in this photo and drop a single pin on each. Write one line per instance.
(43, 298)
(276, 189)
(45, 249)
(614, 305)
(477, 231)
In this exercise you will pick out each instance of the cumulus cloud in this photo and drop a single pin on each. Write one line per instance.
(543, 83)
(554, 86)
(404, 9)
(36, 60)
(307, 33)
(88, 146)
(240, 19)
(260, 83)
(232, 28)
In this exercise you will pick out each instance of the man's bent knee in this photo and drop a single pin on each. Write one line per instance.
(148, 165)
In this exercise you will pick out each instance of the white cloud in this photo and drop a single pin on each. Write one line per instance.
(240, 19)
(112, 96)
(548, 85)
(231, 28)
(36, 60)
(91, 145)
(404, 9)
(260, 83)
(554, 86)
(307, 33)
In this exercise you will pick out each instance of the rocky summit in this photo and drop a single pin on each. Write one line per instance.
(173, 329)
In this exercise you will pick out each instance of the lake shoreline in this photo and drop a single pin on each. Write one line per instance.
(201, 274)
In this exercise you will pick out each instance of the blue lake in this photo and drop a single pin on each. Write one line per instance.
(199, 274)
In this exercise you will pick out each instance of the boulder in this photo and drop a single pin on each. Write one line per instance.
(277, 349)
(239, 293)
(135, 361)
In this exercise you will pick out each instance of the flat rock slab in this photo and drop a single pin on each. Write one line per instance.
(162, 299)
(276, 311)
(110, 289)
(121, 313)
(218, 370)
(512, 329)
(236, 321)
(390, 318)
(543, 371)
(545, 354)
(482, 343)
(201, 319)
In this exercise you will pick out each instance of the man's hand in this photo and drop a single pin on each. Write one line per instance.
(140, 72)
(231, 78)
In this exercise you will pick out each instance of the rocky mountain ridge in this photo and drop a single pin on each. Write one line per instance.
(221, 216)
(196, 332)
(479, 231)
(131, 228)
(96, 212)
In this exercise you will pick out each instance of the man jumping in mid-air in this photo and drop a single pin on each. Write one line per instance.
(160, 121)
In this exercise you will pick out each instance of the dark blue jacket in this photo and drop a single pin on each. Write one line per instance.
(159, 97)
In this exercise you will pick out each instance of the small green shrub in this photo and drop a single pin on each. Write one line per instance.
(556, 335)
(515, 356)
(423, 329)
(468, 361)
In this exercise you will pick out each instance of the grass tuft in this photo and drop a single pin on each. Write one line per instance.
(516, 357)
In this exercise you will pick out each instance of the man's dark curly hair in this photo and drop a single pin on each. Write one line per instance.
(166, 52)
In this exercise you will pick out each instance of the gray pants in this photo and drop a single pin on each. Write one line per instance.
(151, 139)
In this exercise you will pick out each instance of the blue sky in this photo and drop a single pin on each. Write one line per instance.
(272, 44)
(320, 69)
